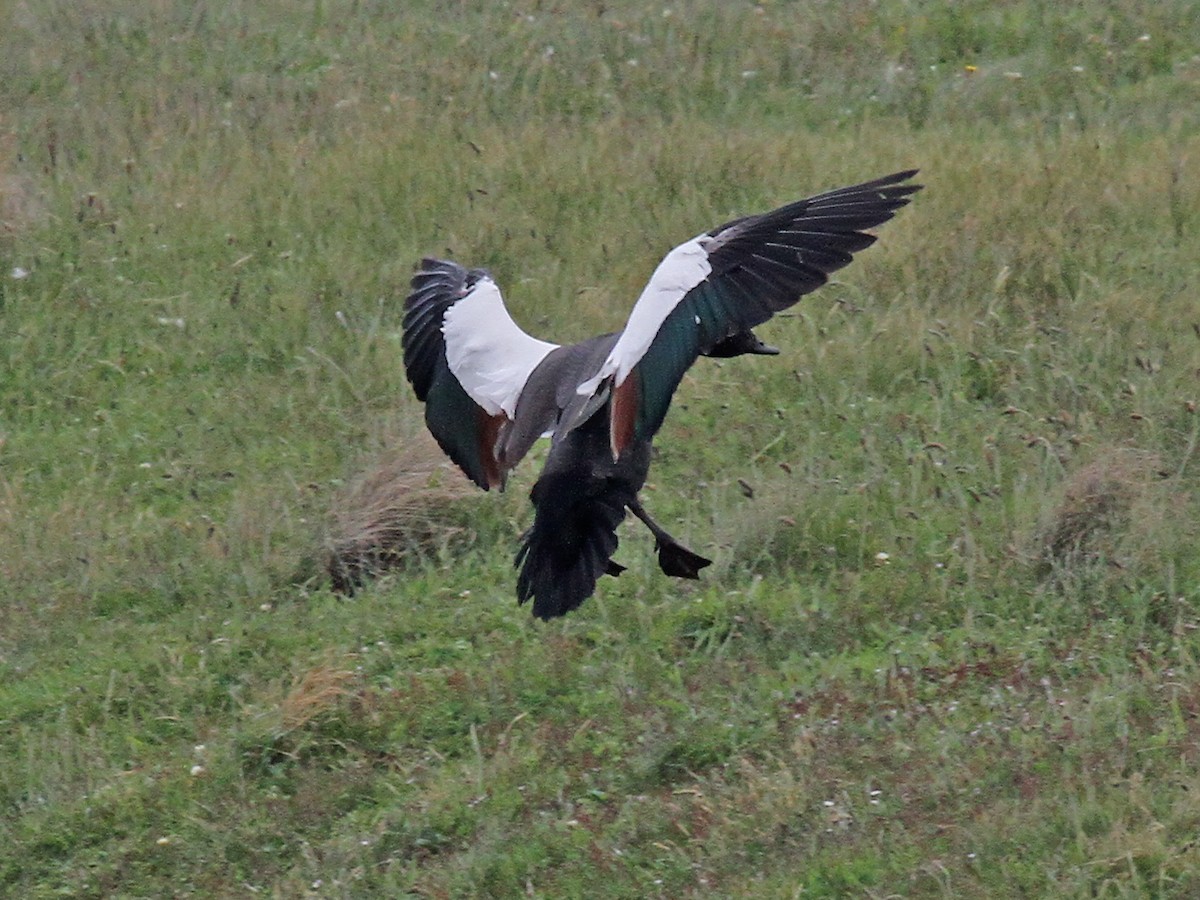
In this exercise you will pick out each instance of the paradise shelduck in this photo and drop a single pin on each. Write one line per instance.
(490, 390)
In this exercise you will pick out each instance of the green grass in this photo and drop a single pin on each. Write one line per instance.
(949, 648)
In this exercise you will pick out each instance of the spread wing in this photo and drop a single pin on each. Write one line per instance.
(468, 362)
(708, 293)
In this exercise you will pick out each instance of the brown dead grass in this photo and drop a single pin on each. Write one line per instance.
(319, 689)
(399, 508)
(1117, 494)
(22, 205)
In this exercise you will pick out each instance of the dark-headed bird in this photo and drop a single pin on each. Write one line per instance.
(490, 390)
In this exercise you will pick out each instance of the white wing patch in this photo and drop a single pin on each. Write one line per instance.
(681, 270)
(487, 351)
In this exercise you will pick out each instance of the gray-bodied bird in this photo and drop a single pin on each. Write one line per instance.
(490, 390)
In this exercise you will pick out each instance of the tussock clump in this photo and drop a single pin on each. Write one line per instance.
(401, 507)
(1101, 504)
(22, 205)
(319, 690)
(19, 204)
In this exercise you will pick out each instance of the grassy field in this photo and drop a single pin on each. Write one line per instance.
(949, 648)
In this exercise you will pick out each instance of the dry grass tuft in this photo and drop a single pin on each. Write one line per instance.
(1099, 505)
(398, 509)
(22, 205)
(318, 690)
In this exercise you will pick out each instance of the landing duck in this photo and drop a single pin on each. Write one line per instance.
(491, 390)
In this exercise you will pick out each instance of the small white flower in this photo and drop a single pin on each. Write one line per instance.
(197, 771)
(163, 841)
(18, 273)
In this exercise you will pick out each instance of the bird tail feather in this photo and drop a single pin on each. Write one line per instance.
(565, 552)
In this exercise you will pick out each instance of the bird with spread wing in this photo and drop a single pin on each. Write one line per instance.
(491, 391)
